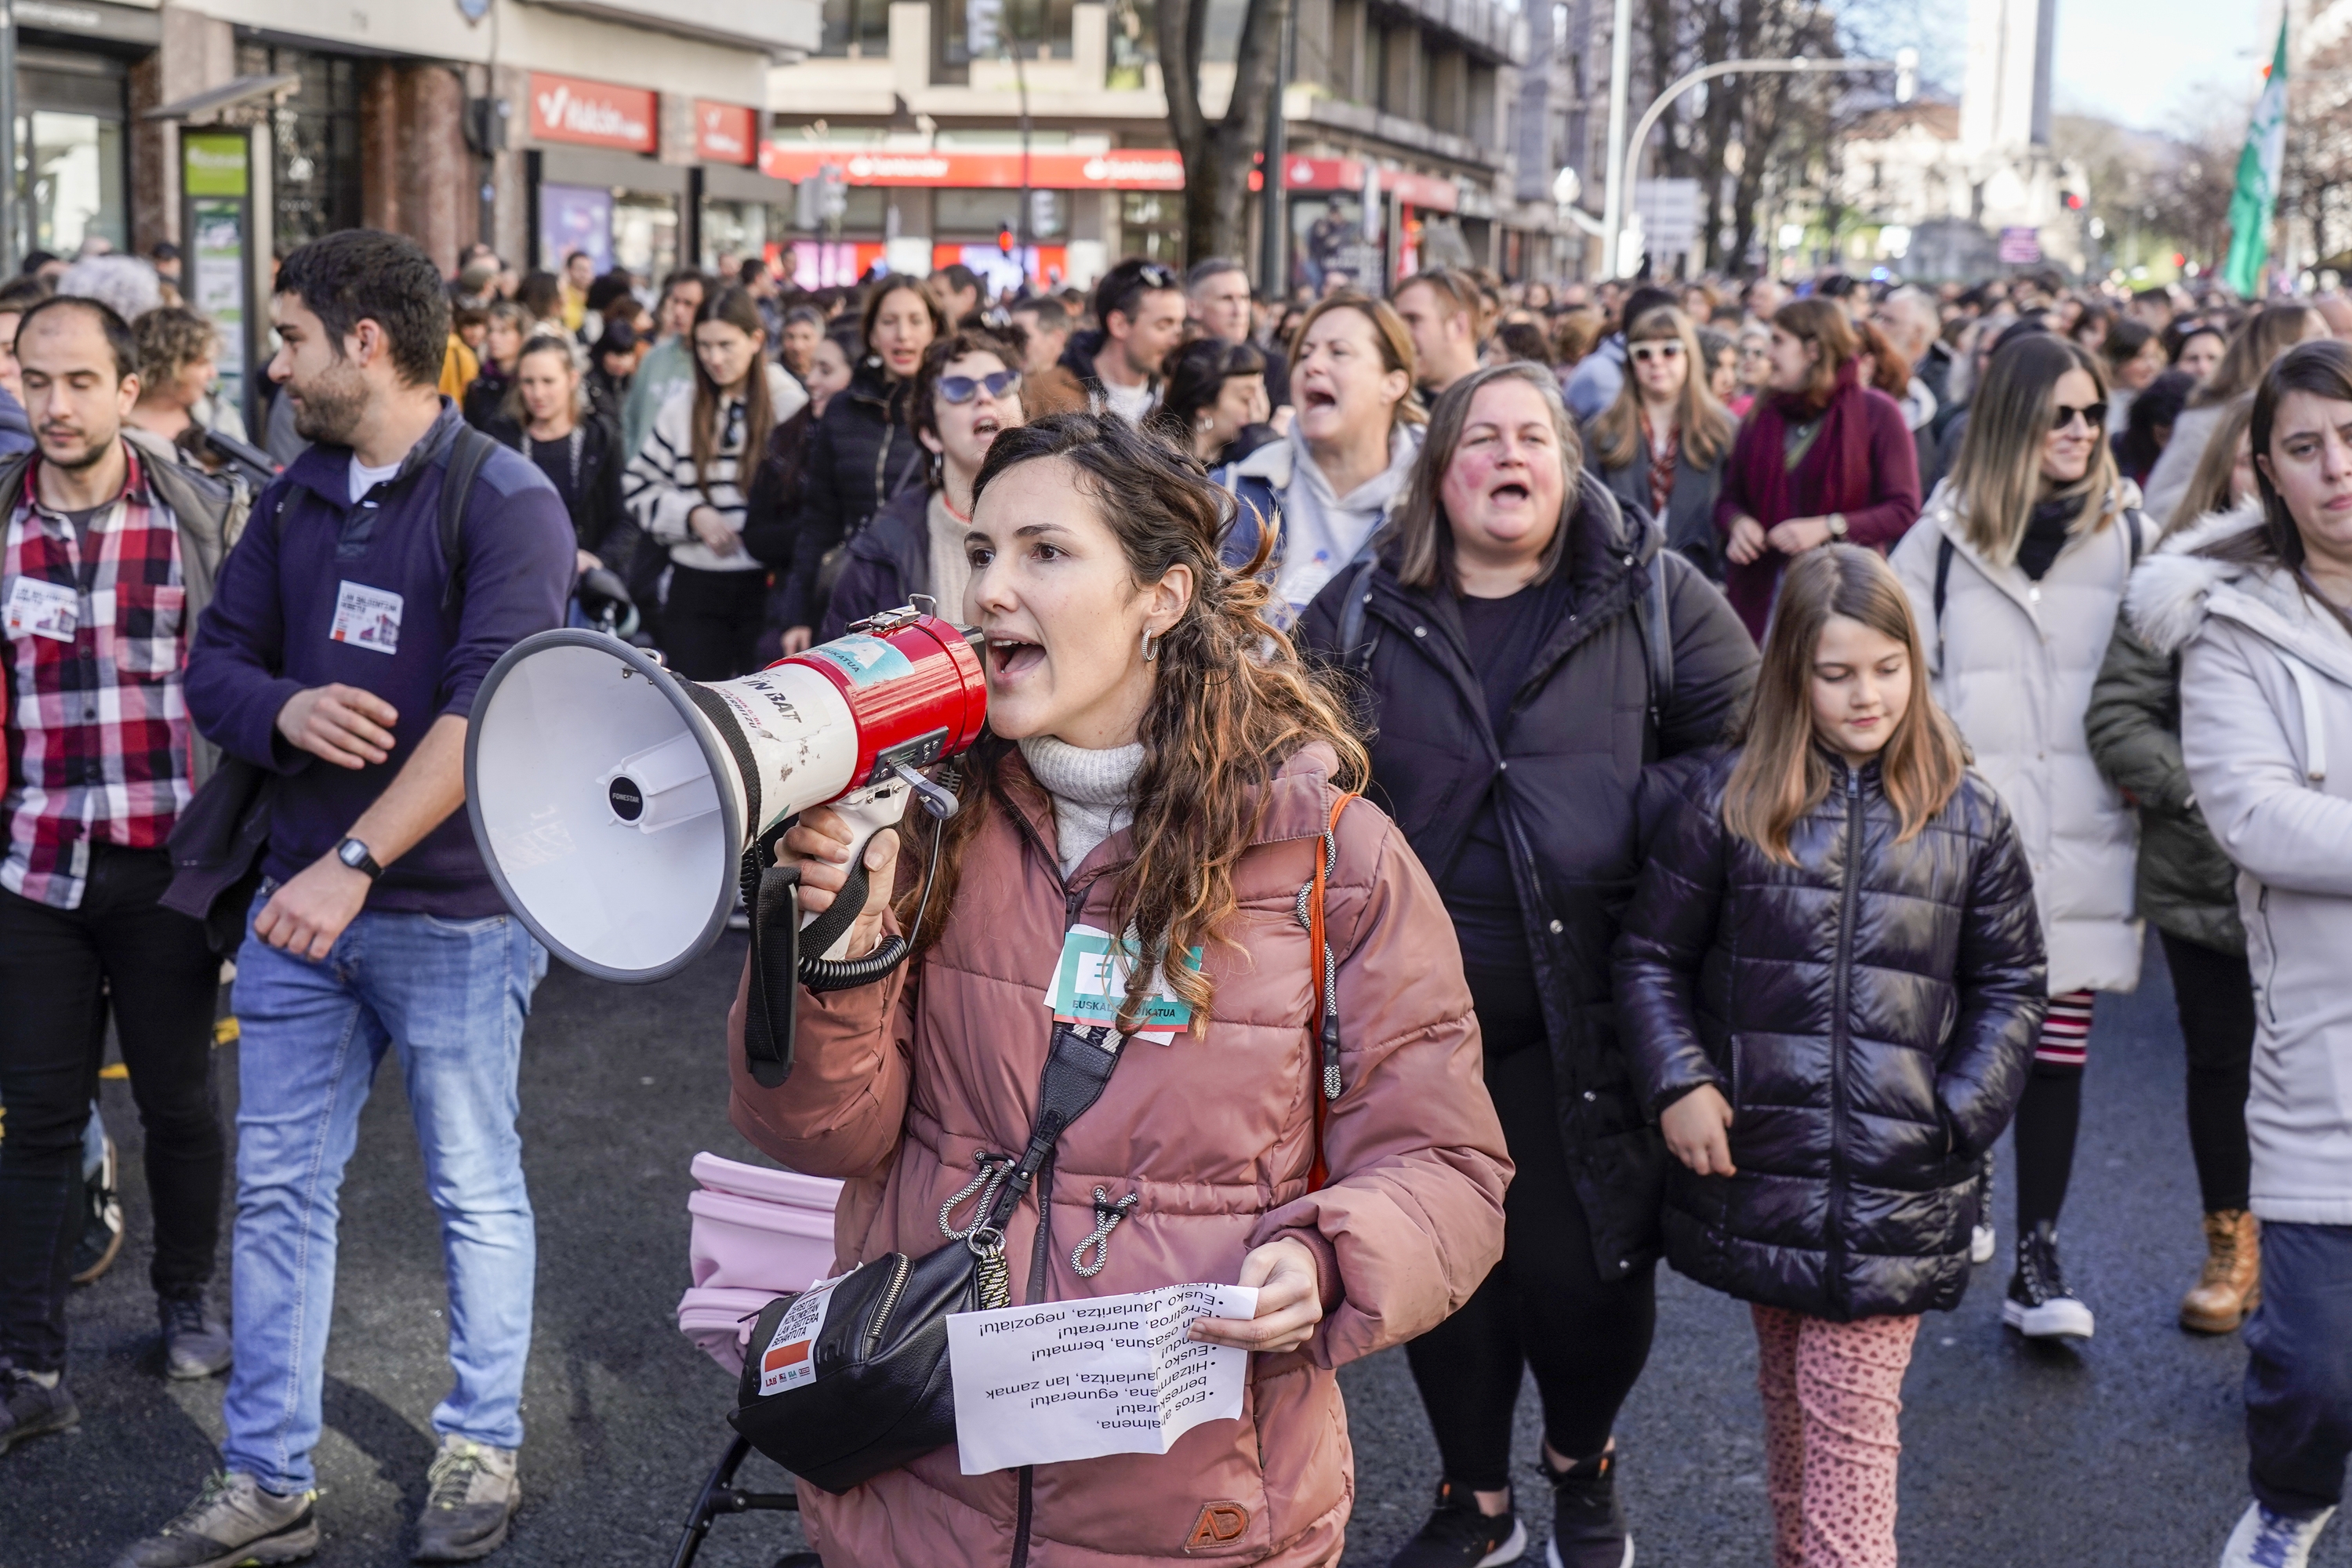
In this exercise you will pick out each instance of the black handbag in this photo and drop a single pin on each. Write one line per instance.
(882, 1393)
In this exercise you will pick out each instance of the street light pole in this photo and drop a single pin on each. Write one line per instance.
(11, 204)
(1627, 155)
(1274, 258)
(1621, 86)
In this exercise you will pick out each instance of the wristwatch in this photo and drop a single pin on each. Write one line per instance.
(1835, 523)
(354, 853)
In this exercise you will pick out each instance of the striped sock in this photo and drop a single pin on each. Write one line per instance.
(2066, 1033)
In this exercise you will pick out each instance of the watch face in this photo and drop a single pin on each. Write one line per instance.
(351, 852)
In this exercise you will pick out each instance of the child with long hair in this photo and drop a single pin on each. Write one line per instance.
(1830, 984)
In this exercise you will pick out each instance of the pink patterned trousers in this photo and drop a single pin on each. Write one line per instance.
(1832, 1395)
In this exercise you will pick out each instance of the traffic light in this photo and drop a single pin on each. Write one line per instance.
(2074, 201)
(1004, 242)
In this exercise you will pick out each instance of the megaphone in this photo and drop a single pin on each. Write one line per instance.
(615, 803)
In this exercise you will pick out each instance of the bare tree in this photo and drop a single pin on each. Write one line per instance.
(1219, 155)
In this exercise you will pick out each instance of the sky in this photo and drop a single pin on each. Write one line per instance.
(2161, 65)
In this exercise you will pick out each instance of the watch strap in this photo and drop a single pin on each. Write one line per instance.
(365, 862)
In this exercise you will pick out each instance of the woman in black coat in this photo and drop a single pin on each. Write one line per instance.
(1831, 982)
(864, 451)
(1525, 646)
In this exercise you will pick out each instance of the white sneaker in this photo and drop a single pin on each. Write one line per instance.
(2267, 1540)
(1983, 1242)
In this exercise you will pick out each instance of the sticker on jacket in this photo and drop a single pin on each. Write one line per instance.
(41, 609)
(868, 661)
(366, 617)
(789, 1359)
(1090, 986)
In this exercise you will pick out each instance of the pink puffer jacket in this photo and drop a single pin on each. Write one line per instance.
(898, 1085)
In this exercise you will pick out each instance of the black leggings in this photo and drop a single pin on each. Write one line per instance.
(2215, 994)
(1546, 1306)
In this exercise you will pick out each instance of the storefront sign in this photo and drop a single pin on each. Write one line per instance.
(1348, 174)
(724, 132)
(1128, 169)
(212, 163)
(592, 113)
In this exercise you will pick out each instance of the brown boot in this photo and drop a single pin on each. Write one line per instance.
(2232, 1284)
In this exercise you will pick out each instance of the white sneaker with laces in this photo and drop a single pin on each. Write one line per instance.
(2267, 1540)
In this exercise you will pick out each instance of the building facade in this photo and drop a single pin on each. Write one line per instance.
(1399, 119)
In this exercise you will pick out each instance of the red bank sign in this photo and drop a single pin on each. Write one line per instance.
(1129, 168)
(592, 113)
(725, 133)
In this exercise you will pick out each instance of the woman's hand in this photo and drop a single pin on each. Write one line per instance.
(1289, 1301)
(1697, 1129)
(712, 528)
(1799, 535)
(797, 640)
(1747, 540)
(820, 845)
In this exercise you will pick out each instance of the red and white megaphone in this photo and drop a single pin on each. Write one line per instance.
(614, 802)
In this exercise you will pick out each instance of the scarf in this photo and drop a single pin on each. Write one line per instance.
(1837, 462)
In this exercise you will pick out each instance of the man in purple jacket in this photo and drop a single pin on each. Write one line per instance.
(339, 655)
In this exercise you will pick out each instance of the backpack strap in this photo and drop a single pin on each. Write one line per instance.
(1651, 614)
(468, 450)
(1945, 551)
(1326, 987)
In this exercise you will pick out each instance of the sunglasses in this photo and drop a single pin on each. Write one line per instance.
(2094, 415)
(1155, 276)
(964, 388)
(1644, 352)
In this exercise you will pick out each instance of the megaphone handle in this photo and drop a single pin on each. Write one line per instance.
(771, 1010)
(865, 818)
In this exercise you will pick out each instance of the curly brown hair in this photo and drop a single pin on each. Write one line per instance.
(171, 338)
(1232, 702)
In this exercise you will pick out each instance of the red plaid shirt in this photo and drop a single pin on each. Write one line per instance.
(98, 736)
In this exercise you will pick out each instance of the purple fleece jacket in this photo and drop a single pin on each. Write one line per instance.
(271, 629)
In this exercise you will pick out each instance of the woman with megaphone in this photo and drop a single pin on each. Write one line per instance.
(1159, 762)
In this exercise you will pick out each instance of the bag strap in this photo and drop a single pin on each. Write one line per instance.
(1326, 990)
(1656, 619)
(468, 450)
(1352, 617)
(1945, 551)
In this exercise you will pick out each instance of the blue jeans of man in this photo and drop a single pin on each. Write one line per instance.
(449, 998)
(2299, 1368)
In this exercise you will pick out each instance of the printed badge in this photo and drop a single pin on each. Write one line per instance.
(789, 1359)
(1090, 986)
(41, 609)
(866, 662)
(366, 617)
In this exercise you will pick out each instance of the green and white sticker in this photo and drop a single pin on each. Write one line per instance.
(1090, 986)
(868, 661)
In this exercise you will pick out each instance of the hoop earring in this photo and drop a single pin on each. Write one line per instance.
(1150, 645)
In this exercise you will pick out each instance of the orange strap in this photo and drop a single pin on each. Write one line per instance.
(1323, 1027)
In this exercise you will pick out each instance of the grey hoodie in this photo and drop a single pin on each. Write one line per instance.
(2266, 731)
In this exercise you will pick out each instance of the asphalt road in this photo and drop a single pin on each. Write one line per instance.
(2130, 1451)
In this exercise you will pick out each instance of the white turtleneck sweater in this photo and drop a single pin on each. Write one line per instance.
(1090, 791)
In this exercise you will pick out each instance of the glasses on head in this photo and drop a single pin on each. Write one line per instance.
(964, 388)
(2094, 415)
(1155, 276)
(1644, 352)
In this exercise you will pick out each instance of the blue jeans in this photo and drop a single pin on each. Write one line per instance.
(450, 997)
(2299, 1368)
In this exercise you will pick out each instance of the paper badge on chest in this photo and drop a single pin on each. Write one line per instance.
(40, 609)
(1090, 986)
(366, 617)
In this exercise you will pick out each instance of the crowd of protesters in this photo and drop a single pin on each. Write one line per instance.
(1777, 708)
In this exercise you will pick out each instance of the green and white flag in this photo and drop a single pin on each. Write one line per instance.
(2258, 179)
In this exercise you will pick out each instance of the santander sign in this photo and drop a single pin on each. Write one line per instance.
(592, 113)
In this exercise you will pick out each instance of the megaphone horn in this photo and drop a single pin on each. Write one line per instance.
(615, 801)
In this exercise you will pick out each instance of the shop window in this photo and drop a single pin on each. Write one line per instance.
(645, 233)
(1151, 226)
(315, 143)
(989, 213)
(71, 174)
(1134, 43)
(856, 28)
(862, 215)
(740, 230)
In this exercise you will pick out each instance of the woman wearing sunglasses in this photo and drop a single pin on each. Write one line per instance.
(2016, 569)
(1661, 445)
(968, 390)
(1822, 456)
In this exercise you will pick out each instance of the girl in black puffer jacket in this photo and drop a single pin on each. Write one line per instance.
(1830, 983)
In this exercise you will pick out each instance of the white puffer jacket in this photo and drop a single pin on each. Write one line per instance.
(2013, 662)
(2267, 730)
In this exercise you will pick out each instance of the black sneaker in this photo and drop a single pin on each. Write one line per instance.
(1458, 1536)
(2038, 1305)
(101, 1228)
(28, 1409)
(195, 1343)
(1587, 1522)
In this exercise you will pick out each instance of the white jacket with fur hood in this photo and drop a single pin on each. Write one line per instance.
(2267, 730)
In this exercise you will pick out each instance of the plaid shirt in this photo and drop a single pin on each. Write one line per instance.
(98, 743)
